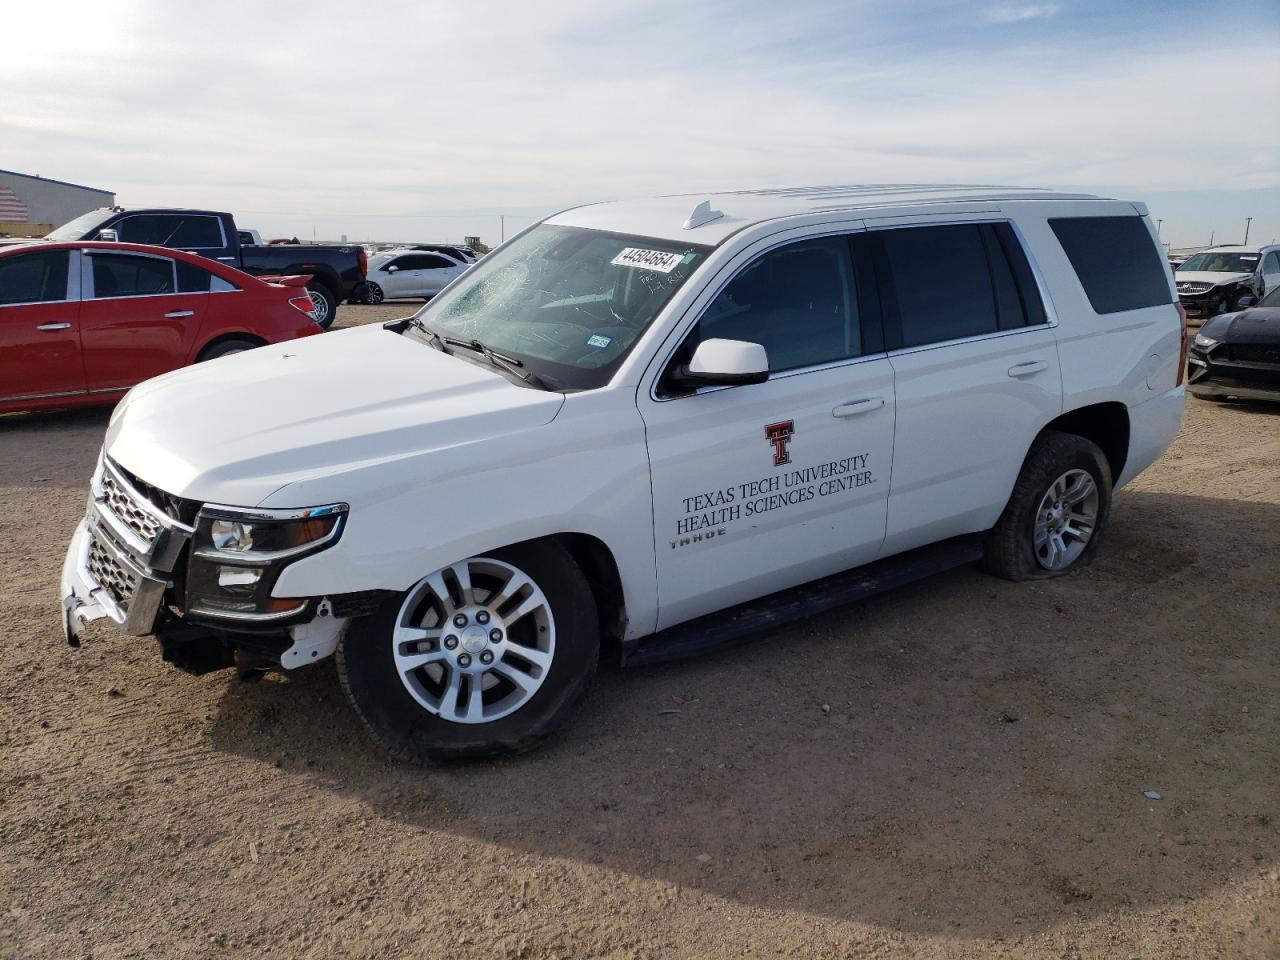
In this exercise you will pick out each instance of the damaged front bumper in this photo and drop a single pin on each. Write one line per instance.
(120, 566)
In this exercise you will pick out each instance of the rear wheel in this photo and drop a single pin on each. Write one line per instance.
(1054, 520)
(224, 348)
(483, 657)
(323, 304)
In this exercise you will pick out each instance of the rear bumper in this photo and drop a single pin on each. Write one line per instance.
(1152, 428)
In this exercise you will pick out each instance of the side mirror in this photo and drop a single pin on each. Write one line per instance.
(392, 269)
(1246, 301)
(725, 363)
(108, 234)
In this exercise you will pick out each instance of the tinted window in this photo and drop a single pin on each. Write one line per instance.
(799, 302)
(433, 262)
(1116, 261)
(122, 275)
(193, 279)
(940, 279)
(1272, 264)
(171, 230)
(197, 233)
(1006, 256)
(34, 277)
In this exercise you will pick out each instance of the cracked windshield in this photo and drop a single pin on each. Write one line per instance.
(568, 302)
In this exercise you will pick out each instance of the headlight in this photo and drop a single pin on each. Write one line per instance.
(237, 556)
(1205, 342)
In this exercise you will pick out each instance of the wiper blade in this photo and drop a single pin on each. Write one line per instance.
(433, 338)
(404, 323)
(509, 364)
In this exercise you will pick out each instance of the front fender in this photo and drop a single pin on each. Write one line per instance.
(586, 472)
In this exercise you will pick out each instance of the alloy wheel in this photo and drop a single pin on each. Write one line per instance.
(474, 641)
(1066, 519)
(319, 307)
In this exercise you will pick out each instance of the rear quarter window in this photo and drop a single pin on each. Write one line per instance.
(1116, 261)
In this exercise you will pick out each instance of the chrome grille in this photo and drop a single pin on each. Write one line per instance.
(119, 582)
(134, 516)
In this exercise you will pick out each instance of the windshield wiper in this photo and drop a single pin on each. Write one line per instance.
(404, 323)
(510, 364)
(433, 338)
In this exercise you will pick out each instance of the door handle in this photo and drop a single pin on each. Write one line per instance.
(54, 326)
(173, 314)
(855, 407)
(1027, 368)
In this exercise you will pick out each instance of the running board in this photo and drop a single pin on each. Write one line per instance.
(726, 628)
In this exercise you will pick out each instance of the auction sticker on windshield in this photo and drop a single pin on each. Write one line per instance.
(658, 260)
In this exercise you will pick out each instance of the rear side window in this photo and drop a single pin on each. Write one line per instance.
(124, 275)
(195, 232)
(34, 277)
(940, 282)
(1116, 260)
(192, 279)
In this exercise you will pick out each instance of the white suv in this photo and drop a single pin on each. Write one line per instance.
(649, 427)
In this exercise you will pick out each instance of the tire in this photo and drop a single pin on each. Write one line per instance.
(373, 293)
(1022, 545)
(224, 348)
(405, 707)
(323, 304)
(1240, 296)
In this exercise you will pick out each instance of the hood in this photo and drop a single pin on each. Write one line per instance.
(1255, 325)
(236, 429)
(1214, 277)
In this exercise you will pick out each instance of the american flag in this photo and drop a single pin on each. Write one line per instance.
(12, 209)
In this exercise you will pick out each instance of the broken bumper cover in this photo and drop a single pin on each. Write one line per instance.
(100, 578)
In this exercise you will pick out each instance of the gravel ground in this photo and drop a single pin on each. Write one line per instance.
(953, 770)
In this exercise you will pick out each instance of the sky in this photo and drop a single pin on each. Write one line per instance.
(431, 121)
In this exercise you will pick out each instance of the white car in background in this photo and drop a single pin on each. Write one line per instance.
(410, 273)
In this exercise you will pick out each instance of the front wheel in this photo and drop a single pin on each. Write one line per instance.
(483, 657)
(1055, 517)
(373, 293)
(323, 304)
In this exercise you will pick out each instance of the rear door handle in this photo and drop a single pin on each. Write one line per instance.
(174, 314)
(54, 326)
(855, 407)
(1028, 368)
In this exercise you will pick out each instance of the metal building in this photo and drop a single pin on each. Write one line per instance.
(43, 204)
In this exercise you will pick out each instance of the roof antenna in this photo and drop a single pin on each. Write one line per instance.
(702, 213)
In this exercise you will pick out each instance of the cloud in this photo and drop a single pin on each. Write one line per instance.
(451, 118)
(1018, 12)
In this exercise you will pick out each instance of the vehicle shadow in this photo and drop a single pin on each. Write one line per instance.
(964, 756)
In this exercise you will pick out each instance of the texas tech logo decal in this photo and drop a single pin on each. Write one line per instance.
(779, 434)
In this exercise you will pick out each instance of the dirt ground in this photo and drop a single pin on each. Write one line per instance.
(973, 786)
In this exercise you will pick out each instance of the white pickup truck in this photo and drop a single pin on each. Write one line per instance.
(647, 428)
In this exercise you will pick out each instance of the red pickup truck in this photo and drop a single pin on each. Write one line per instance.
(82, 322)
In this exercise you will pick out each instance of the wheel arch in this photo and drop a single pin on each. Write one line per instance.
(1106, 424)
(224, 337)
(597, 562)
